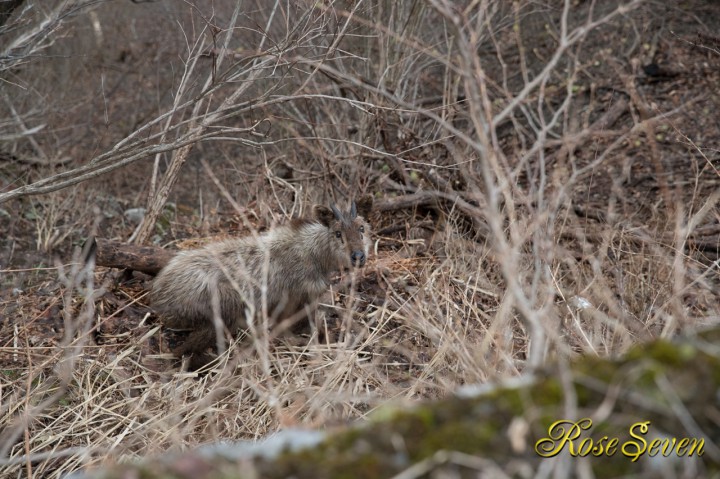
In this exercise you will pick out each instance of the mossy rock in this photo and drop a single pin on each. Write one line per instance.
(661, 390)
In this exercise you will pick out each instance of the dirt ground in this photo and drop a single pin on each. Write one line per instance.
(637, 151)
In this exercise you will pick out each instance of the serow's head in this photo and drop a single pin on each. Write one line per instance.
(350, 232)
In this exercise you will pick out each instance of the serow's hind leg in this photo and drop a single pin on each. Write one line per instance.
(197, 344)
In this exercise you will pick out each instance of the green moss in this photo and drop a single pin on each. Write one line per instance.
(664, 352)
(597, 367)
(11, 374)
(545, 393)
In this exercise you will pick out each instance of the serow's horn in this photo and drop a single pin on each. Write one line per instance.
(336, 212)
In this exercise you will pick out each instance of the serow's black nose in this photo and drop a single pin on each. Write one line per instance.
(357, 258)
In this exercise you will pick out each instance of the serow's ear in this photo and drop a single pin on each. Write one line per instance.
(323, 214)
(364, 205)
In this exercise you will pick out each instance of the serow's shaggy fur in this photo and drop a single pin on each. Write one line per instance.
(224, 283)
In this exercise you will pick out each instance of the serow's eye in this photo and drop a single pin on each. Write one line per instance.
(362, 229)
(338, 234)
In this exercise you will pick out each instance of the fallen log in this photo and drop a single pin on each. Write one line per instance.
(116, 254)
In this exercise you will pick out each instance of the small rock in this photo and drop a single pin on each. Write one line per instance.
(135, 215)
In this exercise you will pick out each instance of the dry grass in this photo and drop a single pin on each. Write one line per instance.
(558, 201)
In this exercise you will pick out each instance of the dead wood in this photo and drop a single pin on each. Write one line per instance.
(430, 225)
(471, 208)
(413, 200)
(116, 254)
